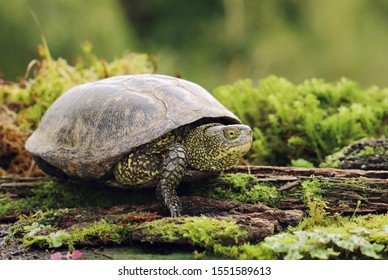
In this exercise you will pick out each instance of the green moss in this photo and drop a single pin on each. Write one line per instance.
(6, 205)
(245, 252)
(317, 216)
(101, 230)
(200, 231)
(55, 195)
(307, 121)
(237, 187)
(312, 189)
(320, 236)
(43, 229)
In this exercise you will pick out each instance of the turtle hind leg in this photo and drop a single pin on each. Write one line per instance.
(171, 172)
(49, 169)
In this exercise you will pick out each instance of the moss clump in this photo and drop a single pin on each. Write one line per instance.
(102, 230)
(14, 159)
(99, 232)
(312, 190)
(246, 251)
(240, 187)
(306, 121)
(200, 231)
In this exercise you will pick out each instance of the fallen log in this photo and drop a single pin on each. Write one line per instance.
(342, 190)
(83, 212)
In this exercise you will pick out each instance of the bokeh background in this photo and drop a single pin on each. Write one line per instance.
(209, 42)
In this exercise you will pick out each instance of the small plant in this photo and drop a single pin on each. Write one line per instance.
(362, 237)
(320, 244)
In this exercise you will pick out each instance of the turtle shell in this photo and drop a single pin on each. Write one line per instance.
(89, 128)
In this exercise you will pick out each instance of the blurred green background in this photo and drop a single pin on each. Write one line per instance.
(209, 42)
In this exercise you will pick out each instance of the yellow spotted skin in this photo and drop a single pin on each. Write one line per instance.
(207, 147)
(142, 164)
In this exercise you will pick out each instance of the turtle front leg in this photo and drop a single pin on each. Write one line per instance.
(171, 172)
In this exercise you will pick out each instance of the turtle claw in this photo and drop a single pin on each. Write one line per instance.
(170, 200)
(175, 210)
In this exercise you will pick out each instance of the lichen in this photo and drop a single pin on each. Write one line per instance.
(370, 154)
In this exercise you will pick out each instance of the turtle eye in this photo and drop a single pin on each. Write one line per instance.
(231, 133)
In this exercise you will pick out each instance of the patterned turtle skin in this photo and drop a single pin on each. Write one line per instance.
(138, 129)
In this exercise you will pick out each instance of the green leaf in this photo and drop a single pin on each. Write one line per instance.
(293, 255)
(346, 244)
(323, 254)
(57, 239)
(371, 250)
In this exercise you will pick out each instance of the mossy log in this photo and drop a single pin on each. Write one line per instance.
(342, 190)
(137, 216)
(257, 221)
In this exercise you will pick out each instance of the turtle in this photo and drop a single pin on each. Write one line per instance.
(137, 130)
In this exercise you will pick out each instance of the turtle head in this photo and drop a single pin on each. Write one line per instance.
(217, 147)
